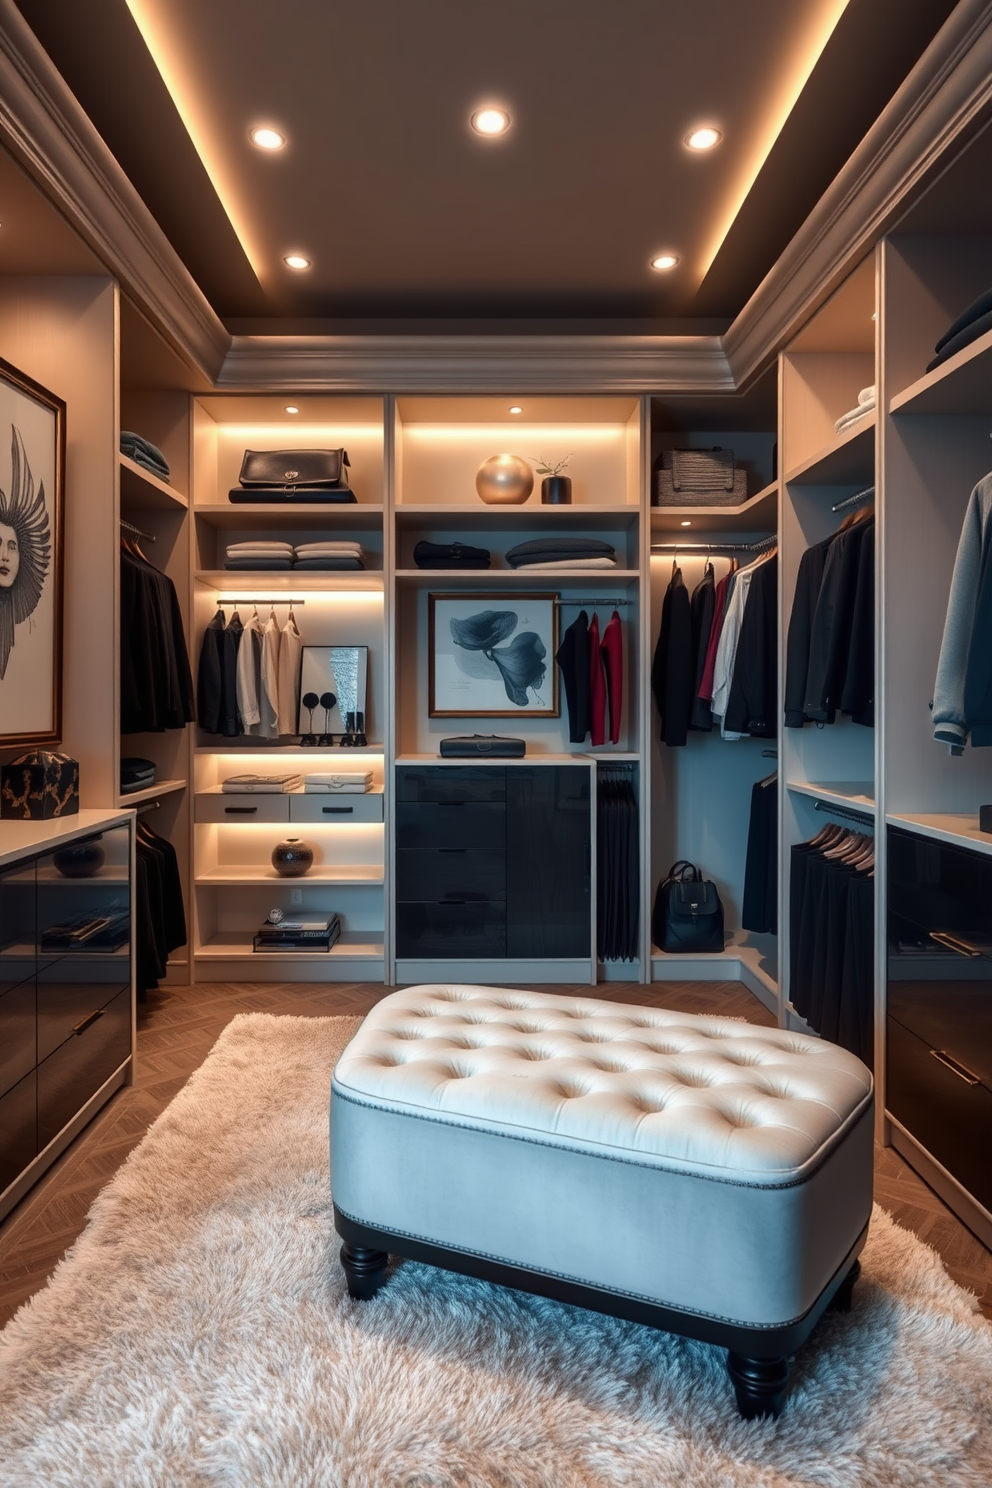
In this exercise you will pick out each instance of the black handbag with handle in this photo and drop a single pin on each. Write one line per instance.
(688, 914)
(291, 470)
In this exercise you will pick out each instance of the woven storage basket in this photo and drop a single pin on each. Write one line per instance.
(699, 478)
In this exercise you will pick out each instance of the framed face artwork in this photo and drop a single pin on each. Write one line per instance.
(32, 477)
(492, 655)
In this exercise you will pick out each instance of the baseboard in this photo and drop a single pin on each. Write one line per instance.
(944, 1184)
(495, 972)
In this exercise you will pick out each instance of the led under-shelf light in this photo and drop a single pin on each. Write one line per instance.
(291, 408)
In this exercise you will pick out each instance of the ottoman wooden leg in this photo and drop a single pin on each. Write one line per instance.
(843, 1295)
(365, 1270)
(760, 1385)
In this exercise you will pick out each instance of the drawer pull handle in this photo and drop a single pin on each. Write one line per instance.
(956, 1067)
(240, 810)
(961, 947)
(84, 1023)
(337, 810)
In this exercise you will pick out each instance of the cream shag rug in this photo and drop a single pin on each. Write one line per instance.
(199, 1332)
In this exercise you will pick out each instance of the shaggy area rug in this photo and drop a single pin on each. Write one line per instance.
(199, 1333)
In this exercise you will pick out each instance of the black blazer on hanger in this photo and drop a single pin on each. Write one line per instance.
(673, 668)
(572, 657)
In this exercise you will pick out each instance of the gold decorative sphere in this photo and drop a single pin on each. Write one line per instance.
(504, 480)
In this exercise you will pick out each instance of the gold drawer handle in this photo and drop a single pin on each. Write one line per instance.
(84, 1023)
(956, 1067)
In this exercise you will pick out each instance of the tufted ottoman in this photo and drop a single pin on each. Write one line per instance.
(705, 1176)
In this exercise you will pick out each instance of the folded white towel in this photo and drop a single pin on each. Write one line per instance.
(846, 420)
(329, 550)
(867, 395)
(269, 544)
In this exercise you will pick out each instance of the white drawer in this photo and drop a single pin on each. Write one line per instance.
(228, 806)
(335, 806)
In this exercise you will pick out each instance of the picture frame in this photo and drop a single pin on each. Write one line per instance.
(492, 655)
(333, 693)
(32, 561)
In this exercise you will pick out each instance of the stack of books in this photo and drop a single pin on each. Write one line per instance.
(299, 935)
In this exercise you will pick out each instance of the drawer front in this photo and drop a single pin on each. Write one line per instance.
(64, 1004)
(452, 825)
(18, 1129)
(463, 931)
(77, 1069)
(451, 783)
(452, 874)
(17, 1035)
(334, 806)
(947, 1115)
(18, 924)
(228, 807)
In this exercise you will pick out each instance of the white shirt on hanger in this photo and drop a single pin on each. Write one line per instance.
(249, 675)
(269, 691)
(290, 653)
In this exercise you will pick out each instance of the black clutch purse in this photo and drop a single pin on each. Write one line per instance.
(688, 914)
(482, 746)
(289, 470)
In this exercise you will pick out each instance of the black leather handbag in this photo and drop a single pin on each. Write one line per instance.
(688, 914)
(291, 470)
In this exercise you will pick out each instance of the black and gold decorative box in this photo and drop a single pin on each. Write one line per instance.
(40, 785)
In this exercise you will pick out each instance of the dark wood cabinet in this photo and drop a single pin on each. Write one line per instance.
(493, 862)
(66, 1001)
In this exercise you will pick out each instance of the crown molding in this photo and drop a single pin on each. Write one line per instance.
(943, 102)
(478, 364)
(47, 132)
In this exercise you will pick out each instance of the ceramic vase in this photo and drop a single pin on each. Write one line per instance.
(556, 490)
(292, 858)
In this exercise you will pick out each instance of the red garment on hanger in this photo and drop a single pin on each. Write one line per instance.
(719, 615)
(613, 662)
(597, 687)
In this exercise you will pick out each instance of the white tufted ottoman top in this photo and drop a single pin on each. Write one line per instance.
(669, 1089)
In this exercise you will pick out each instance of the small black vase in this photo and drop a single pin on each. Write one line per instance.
(79, 859)
(292, 858)
(556, 490)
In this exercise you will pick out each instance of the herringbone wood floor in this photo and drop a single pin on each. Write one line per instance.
(176, 1030)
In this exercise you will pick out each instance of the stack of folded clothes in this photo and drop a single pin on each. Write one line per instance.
(315, 556)
(338, 782)
(262, 785)
(450, 555)
(563, 552)
(145, 454)
(866, 402)
(970, 324)
(136, 774)
(259, 555)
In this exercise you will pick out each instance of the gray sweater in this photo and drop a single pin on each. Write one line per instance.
(958, 690)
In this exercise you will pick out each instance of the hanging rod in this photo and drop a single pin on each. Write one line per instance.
(849, 813)
(226, 599)
(718, 547)
(602, 602)
(148, 806)
(855, 500)
(130, 527)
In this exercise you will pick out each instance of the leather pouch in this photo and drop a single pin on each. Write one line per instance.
(291, 469)
(482, 746)
(688, 914)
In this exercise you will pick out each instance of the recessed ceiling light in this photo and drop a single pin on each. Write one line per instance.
(296, 261)
(686, 524)
(267, 139)
(703, 138)
(291, 408)
(515, 408)
(490, 121)
(664, 261)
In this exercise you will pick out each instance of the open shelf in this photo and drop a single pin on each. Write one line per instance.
(304, 514)
(149, 793)
(857, 795)
(527, 759)
(580, 511)
(237, 875)
(140, 488)
(541, 577)
(249, 744)
(847, 460)
(287, 580)
(758, 513)
(961, 385)
(235, 945)
(960, 829)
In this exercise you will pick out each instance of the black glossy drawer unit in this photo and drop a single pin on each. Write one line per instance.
(939, 1004)
(65, 990)
(493, 861)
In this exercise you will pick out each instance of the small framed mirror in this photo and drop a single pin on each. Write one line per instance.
(333, 686)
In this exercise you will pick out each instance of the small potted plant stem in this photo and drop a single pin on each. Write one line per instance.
(556, 489)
